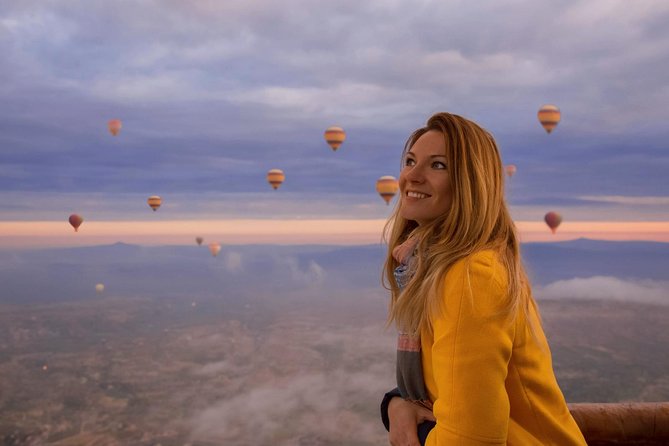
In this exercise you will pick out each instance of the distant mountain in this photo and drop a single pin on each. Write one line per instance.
(548, 262)
(176, 271)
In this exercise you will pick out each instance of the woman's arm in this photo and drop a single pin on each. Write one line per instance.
(408, 423)
(405, 419)
(395, 393)
(473, 340)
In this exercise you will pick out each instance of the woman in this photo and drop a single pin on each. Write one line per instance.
(473, 364)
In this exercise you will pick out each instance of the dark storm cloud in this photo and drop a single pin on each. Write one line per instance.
(214, 94)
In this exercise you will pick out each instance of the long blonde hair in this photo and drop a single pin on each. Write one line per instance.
(477, 219)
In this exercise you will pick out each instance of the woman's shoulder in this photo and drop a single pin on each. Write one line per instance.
(482, 268)
(485, 260)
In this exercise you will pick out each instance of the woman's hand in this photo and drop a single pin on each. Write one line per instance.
(405, 417)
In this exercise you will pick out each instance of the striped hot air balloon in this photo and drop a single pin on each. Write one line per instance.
(387, 187)
(275, 177)
(553, 220)
(549, 116)
(335, 136)
(114, 126)
(154, 201)
(76, 221)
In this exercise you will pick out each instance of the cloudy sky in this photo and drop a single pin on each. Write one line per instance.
(213, 94)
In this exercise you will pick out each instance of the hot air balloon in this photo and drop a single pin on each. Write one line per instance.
(553, 220)
(154, 201)
(275, 177)
(76, 221)
(549, 116)
(510, 169)
(387, 187)
(114, 126)
(99, 288)
(199, 240)
(335, 136)
(214, 248)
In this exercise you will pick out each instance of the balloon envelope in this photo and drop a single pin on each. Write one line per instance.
(199, 240)
(154, 201)
(549, 116)
(99, 288)
(114, 126)
(76, 221)
(335, 136)
(275, 177)
(387, 186)
(214, 248)
(510, 169)
(553, 220)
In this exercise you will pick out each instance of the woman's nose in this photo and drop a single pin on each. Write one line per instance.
(415, 174)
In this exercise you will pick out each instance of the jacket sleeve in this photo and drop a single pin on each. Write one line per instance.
(473, 340)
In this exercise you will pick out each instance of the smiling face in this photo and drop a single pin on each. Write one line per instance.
(424, 180)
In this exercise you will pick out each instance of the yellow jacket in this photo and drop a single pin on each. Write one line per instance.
(491, 379)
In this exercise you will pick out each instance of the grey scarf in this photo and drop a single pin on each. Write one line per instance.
(409, 364)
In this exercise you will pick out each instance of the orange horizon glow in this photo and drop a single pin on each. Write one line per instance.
(35, 234)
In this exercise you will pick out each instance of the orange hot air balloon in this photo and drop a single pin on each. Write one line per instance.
(154, 201)
(214, 248)
(114, 126)
(275, 177)
(553, 220)
(549, 116)
(76, 221)
(199, 240)
(387, 187)
(335, 136)
(510, 169)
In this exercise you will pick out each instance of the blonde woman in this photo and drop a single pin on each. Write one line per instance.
(473, 364)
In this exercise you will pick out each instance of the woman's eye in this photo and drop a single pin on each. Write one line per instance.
(438, 165)
(409, 162)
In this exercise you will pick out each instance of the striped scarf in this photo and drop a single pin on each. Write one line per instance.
(409, 362)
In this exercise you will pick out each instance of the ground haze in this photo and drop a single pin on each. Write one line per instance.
(303, 362)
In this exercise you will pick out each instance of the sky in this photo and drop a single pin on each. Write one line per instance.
(214, 94)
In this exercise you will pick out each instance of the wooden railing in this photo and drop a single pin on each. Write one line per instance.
(632, 424)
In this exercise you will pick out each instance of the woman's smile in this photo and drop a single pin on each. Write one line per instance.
(412, 194)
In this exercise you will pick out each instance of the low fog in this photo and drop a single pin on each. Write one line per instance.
(607, 288)
(276, 345)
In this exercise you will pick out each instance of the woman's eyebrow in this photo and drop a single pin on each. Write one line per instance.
(431, 156)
